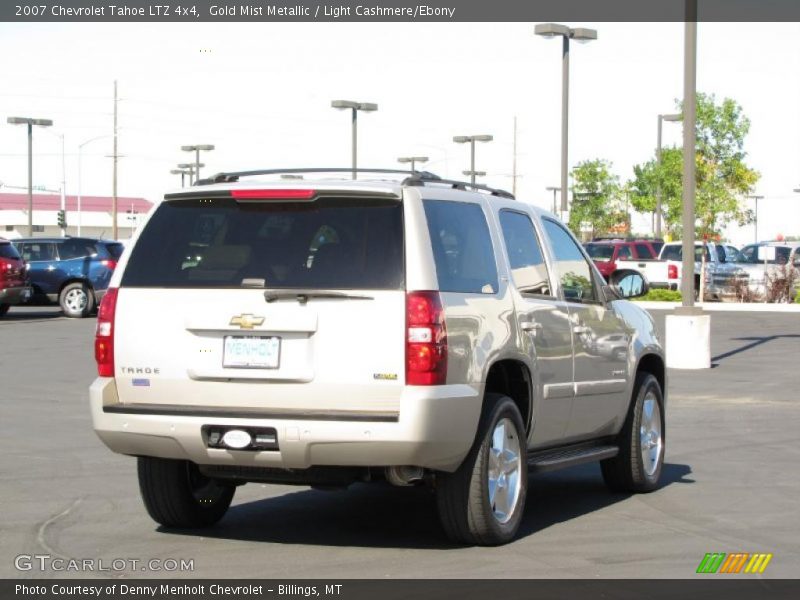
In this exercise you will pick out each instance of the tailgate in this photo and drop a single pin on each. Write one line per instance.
(277, 305)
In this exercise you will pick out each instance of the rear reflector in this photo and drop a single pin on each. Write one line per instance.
(275, 194)
(426, 339)
(104, 337)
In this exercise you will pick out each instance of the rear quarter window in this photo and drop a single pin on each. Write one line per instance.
(462, 247)
(8, 251)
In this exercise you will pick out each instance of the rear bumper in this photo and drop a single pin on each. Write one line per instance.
(434, 428)
(15, 295)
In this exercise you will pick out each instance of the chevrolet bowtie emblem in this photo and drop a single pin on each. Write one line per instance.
(246, 321)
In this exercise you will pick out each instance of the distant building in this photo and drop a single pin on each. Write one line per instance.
(94, 218)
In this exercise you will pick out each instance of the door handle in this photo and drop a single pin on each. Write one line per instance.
(530, 326)
(580, 329)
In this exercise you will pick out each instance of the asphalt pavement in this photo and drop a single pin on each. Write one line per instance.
(731, 483)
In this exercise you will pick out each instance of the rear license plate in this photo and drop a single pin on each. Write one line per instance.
(251, 352)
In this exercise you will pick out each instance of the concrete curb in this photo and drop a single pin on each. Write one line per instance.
(725, 306)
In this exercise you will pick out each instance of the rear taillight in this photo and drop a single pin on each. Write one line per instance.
(426, 339)
(104, 337)
(111, 264)
(672, 271)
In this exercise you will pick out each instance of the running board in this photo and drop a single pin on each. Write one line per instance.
(560, 458)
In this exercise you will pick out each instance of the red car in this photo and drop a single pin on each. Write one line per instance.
(606, 253)
(14, 287)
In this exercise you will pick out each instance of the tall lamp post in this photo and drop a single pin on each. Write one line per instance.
(196, 149)
(755, 220)
(580, 34)
(661, 118)
(354, 107)
(471, 139)
(555, 190)
(413, 160)
(191, 170)
(183, 173)
(30, 123)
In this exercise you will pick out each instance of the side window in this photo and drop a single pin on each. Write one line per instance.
(643, 251)
(70, 249)
(624, 253)
(528, 267)
(462, 247)
(721, 256)
(38, 251)
(750, 253)
(574, 271)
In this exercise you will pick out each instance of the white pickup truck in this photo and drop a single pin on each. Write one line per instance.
(664, 272)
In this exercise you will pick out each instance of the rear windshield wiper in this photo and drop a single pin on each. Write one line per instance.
(302, 296)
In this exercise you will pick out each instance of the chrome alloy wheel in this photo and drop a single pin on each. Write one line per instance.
(504, 470)
(76, 300)
(650, 434)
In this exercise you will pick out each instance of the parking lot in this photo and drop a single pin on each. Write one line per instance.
(731, 483)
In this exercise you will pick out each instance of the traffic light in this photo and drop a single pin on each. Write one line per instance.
(62, 218)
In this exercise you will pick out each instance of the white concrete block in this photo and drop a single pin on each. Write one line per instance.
(688, 341)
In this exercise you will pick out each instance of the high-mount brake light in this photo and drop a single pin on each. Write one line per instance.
(274, 194)
(426, 339)
(104, 337)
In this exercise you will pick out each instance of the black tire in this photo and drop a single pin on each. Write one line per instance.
(4, 309)
(627, 472)
(462, 497)
(175, 494)
(76, 300)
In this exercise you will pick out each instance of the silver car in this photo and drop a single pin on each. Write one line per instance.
(329, 331)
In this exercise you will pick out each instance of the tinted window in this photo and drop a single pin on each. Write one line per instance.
(115, 250)
(600, 252)
(33, 251)
(462, 247)
(8, 251)
(624, 253)
(528, 268)
(733, 255)
(339, 243)
(675, 252)
(575, 273)
(76, 248)
(643, 251)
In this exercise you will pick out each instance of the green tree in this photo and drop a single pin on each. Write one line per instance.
(722, 176)
(596, 197)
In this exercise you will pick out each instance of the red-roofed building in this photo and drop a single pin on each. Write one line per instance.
(91, 219)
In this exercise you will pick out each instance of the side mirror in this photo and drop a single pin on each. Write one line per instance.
(628, 283)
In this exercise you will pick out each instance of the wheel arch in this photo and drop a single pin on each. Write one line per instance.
(654, 364)
(513, 378)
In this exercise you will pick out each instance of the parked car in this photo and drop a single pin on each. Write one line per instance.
(14, 287)
(787, 256)
(72, 271)
(606, 253)
(443, 334)
(722, 278)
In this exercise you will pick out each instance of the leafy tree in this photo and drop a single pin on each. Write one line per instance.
(723, 178)
(596, 197)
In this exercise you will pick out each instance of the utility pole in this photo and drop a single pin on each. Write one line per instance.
(114, 157)
(514, 164)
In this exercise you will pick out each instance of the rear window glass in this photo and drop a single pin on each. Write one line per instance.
(462, 247)
(328, 243)
(8, 251)
(76, 248)
(600, 252)
(115, 250)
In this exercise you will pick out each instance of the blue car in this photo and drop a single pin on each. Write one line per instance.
(74, 272)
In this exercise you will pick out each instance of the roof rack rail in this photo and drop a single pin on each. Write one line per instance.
(235, 175)
(421, 178)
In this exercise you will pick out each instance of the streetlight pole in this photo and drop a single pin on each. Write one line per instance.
(661, 119)
(755, 220)
(354, 107)
(182, 173)
(191, 170)
(580, 34)
(30, 123)
(689, 144)
(413, 160)
(196, 149)
(471, 139)
(554, 190)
